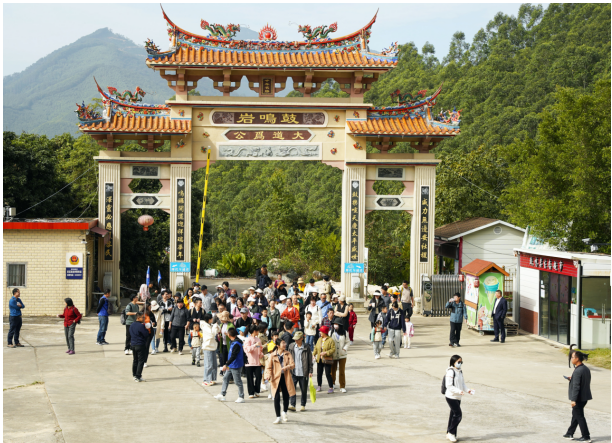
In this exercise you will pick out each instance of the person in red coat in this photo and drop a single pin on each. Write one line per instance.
(71, 317)
(352, 322)
(292, 313)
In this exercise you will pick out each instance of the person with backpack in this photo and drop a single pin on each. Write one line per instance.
(103, 308)
(375, 307)
(130, 317)
(454, 388)
(458, 314)
(263, 281)
(233, 367)
(71, 317)
(327, 286)
(396, 326)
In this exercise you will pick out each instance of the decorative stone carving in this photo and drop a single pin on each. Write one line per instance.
(145, 171)
(390, 173)
(269, 151)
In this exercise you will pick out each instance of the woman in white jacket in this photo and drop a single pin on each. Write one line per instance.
(210, 330)
(455, 389)
(342, 343)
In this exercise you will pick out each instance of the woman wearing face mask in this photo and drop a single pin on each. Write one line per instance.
(455, 389)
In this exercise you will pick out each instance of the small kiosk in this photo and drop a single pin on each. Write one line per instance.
(482, 279)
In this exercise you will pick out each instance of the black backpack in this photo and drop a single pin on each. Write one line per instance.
(444, 383)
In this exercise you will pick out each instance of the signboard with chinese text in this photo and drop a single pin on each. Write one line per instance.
(267, 134)
(180, 266)
(354, 268)
(424, 226)
(180, 219)
(74, 266)
(226, 118)
(109, 204)
(555, 265)
(354, 237)
(266, 86)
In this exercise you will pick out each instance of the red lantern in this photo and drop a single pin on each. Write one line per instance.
(145, 221)
(461, 278)
(476, 282)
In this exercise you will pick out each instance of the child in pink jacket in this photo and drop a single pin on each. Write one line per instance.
(254, 353)
(408, 334)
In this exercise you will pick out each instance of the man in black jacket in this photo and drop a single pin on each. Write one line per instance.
(579, 393)
(138, 335)
(500, 308)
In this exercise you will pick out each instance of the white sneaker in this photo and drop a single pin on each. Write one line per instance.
(180, 352)
(127, 352)
(145, 366)
(269, 395)
(239, 400)
(377, 356)
(407, 347)
(220, 397)
(284, 417)
(343, 390)
(172, 351)
(396, 356)
(451, 437)
(130, 352)
(277, 421)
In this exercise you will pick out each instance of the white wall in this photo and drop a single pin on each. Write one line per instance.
(496, 248)
(530, 289)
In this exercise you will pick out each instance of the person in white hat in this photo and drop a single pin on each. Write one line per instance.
(261, 301)
(282, 305)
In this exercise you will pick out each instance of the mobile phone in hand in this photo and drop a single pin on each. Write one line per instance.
(566, 377)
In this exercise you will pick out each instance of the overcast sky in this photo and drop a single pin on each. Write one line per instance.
(32, 31)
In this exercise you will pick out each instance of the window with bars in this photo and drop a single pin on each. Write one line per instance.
(16, 274)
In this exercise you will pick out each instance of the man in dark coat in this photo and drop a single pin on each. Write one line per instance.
(579, 393)
(500, 308)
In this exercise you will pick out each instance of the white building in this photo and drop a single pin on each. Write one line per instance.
(479, 238)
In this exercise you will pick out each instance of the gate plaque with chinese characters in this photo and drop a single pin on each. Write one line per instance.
(269, 151)
(109, 203)
(424, 226)
(354, 257)
(297, 135)
(227, 118)
(180, 219)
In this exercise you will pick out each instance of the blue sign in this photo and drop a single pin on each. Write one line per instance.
(180, 266)
(74, 273)
(354, 268)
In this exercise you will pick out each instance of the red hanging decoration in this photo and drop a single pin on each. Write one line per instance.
(145, 221)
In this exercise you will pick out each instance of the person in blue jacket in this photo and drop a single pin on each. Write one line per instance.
(15, 307)
(103, 305)
(235, 363)
(458, 314)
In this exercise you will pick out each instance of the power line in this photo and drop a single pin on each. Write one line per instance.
(474, 184)
(56, 192)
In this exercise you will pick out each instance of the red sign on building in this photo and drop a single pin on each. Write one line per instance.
(555, 265)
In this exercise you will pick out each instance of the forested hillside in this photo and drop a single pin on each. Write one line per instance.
(534, 149)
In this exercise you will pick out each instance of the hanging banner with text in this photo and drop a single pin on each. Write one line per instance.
(424, 225)
(180, 219)
(354, 238)
(109, 203)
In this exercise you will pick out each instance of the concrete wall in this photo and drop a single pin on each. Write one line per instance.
(44, 252)
(489, 246)
(529, 293)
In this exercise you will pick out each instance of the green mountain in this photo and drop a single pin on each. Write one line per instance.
(41, 99)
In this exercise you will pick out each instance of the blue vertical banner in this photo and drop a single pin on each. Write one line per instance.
(158, 277)
(148, 275)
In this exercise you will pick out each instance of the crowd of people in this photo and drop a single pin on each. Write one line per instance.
(273, 338)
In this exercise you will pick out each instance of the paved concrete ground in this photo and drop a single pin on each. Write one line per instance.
(91, 396)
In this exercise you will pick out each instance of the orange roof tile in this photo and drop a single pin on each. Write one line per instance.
(139, 124)
(399, 126)
(190, 56)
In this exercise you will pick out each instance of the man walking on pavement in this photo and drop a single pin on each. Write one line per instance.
(579, 394)
(458, 314)
(499, 314)
(103, 304)
(407, 299)
(302, 355)
(15, 307)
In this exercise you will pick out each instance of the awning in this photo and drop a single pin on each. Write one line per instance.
(101, 232)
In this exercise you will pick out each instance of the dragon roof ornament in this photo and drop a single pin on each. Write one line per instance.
(418, 106)
(125, 103)
(316, 40)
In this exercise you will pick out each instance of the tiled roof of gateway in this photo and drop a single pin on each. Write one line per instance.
(317, 50)
(403, 125)
(210, 57)
(131, 123)
(412, 118)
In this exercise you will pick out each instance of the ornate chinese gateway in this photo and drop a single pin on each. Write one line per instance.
(267, 127)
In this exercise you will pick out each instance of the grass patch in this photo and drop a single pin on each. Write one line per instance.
(599, 357)
(23, 386)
